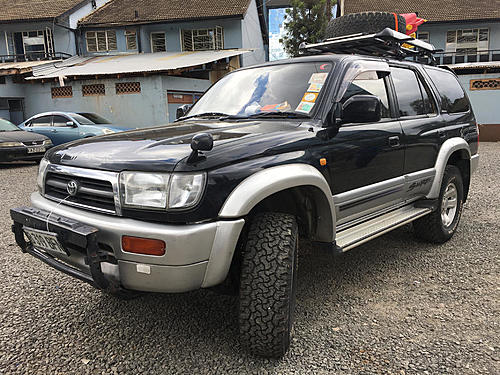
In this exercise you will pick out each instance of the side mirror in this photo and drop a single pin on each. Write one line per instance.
(362, 108)
(182, 110)
(71, 124)
(200, 142)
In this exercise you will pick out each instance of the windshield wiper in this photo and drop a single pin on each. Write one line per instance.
(270, 114)
(206, 114)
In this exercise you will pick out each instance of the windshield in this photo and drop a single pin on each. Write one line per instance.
(290, 88)
(7, 126)
(90, 119)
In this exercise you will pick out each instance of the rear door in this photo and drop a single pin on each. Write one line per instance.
(421, 124)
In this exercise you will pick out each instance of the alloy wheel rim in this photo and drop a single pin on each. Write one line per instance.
(449, 204)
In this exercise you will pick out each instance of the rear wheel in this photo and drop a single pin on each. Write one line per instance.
(268, 283)
(365, 22)
(440, 225)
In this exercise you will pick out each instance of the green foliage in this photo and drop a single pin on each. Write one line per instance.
(305, 21)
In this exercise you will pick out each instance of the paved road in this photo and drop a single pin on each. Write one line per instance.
(391, 306)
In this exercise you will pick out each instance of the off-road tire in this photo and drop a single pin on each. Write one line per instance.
(268, 283)
(365, 22)
(431, 227)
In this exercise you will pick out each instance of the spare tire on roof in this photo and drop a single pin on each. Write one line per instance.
(365, 22)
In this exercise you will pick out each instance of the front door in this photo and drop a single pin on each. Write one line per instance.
(366, 160)
(64, 133)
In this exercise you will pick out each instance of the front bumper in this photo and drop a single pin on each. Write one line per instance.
(8, 154)
(197, 255)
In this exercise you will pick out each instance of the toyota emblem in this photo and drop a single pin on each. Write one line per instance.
(72, 188)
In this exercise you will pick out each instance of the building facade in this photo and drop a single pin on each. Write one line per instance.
(38, 53)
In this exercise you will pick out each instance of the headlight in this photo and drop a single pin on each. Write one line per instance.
(163, 191)
(107, 131)
(144, 189)
(185, 190)
(47, 142)
(44, 163)
(10, 144)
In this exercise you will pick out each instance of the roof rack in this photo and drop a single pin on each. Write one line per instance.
(386, 43)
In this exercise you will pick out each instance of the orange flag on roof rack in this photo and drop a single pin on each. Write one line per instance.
(412, 22)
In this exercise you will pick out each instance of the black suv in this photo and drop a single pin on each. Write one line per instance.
(333, 148)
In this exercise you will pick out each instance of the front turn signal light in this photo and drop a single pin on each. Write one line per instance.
(146, 246)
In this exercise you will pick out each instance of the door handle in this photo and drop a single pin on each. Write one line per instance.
(394, 141)
(53, 130)
(30, 130)
(441, 133)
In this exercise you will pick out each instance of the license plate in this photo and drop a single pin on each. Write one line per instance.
(36, 150)
(44, 240)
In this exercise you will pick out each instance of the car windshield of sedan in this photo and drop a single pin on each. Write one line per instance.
(285, 89)
(89, 119)
(7, 126)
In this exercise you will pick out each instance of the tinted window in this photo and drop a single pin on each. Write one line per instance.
(96, 119)
(408, 92)
(429, 105)
(60, 121)
(452, 95)
(42, 121)
(369, 84)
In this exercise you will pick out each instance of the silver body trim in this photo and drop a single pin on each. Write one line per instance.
(474, 163)
(447, 148)
(272, 180)
(206, 249)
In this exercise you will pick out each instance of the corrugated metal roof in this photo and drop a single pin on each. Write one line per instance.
(23, 65)
(475, 65)
(137, 63)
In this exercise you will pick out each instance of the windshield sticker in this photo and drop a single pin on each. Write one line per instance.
(324, 66)
(315, 87)
(304, 107)
(276, 107)
(310, 97)
(318, 78)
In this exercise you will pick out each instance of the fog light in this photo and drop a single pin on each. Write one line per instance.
(145, 246)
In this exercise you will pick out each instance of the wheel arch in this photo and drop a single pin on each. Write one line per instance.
(299, 189)
(454, 151)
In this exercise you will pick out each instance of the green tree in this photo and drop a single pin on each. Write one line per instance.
(305, 21)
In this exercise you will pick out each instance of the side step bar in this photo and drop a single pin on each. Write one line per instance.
(361, 233)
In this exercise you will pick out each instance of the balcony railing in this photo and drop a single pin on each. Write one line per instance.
(447, 58)
(34, 56)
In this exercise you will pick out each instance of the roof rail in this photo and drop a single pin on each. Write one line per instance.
(386, 43)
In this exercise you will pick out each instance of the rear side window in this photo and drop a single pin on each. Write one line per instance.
(410, 100)
(452, 95)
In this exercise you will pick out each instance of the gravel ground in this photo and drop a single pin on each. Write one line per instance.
(391, 306)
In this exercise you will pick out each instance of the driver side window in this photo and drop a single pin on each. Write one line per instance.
(368, 83)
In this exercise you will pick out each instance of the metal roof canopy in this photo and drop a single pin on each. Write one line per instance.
(21, 67)
(129, 64)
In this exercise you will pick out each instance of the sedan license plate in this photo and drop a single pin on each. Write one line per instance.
(36, 150)
(44, 240)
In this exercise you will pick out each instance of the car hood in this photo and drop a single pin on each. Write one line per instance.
(20, 136)
(162, 148)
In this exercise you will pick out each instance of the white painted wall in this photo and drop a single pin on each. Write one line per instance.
(251, 37)
(83, 11)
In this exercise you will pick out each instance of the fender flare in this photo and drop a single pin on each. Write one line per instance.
(447, 148)
(264, 183)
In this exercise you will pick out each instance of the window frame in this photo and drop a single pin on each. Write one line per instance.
(218, 32)
(106, 32)
(427, 39)
(128, 34)
(452, 47)
(41, 126)
(151, 40)
(64, 117)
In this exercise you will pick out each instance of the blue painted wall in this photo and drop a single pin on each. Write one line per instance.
(483, 101)
(437, 32)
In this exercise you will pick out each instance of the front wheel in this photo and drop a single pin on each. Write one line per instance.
(268, 283)
(440, 225)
